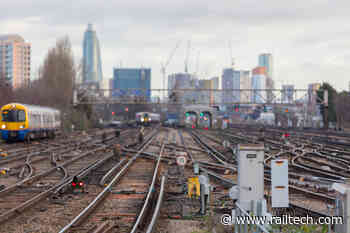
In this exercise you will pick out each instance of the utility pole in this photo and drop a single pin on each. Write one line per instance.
(325, 109)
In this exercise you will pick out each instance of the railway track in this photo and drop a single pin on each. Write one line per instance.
(32, 191)
(120, 201)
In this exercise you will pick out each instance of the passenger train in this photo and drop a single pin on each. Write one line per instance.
(147, 118)
(21, 122)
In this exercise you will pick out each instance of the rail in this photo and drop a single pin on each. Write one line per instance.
(149, 194)
(78, 220)
(151, 226)
(240, 229)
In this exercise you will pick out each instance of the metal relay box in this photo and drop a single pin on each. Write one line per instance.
(279, 183)
(250, 174)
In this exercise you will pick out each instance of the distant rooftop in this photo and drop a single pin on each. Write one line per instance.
(90, 27)
(11, 37)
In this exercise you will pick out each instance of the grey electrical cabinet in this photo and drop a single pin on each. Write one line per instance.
(250, 174)
(279, 183)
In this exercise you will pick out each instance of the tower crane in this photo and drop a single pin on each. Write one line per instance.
(231, 57)
(187, 56)
(165, 65)
(197, 62)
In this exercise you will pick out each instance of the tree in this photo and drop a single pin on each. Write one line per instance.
(6, 91)
(342, 104)
(54, 86)
(332, 93)
(58, 74)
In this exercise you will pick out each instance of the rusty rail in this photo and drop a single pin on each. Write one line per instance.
(78, 220)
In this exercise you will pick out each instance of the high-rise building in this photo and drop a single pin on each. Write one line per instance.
(92, 66)
(266, 60)
(245, 84)
(215, 94)
(287, 93)
(15, 60)
(184, 81)
(237, 80)
(126, 79)
(259, 82)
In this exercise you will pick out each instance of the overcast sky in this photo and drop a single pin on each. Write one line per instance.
(309, 39)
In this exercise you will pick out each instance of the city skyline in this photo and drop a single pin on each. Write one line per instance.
(309, 44)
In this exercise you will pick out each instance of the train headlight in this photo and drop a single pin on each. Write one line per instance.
(3, 126)
(142, 119)
(149, 119)
(21, 126)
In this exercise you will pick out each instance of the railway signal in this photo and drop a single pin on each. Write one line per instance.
(265, 109)
(201, 114)
(113, 113)
(286, 110)
(76, 183)
(236, 107)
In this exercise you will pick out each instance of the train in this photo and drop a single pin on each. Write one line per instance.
(22, 122)
(147, 118)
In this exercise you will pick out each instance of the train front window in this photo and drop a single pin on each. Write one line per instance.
(13, 116)
(21, 116)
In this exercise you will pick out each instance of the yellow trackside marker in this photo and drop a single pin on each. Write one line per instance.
(3, 172)
(193, 183)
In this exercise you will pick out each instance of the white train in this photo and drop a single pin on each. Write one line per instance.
(22, 122)
(147, 118)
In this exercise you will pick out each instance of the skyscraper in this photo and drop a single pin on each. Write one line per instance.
(265, 60)
(14, 60)
(215, 95)
(127, 79)
(259, 82)
(92, 67)
(235, 79)
(184, 81)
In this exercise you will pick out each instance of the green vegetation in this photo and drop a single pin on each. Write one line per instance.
(332, 93)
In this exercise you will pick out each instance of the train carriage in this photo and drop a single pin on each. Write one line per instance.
(21, 122)
(147, 118)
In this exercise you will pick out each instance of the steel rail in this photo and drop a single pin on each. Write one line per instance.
(228, 183)
(47, 172)
(149, 194)
(153, 222)
(209, 149)
(315, 170)
(111, 171)
(186, 147)
(34, 199)
(78, 220)
(83, 172)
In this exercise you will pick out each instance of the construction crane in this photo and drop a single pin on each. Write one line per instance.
(187, 56)
(164, 66)
(197, 62)
(231, 57)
